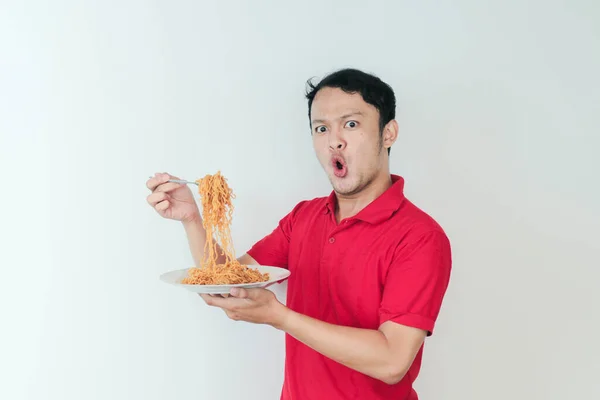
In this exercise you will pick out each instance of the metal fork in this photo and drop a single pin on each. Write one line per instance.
(181, 181)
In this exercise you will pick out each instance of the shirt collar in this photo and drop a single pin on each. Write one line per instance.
(379, 209)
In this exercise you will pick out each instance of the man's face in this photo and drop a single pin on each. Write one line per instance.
(347, 140)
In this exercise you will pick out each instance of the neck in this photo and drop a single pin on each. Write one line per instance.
(348, 206)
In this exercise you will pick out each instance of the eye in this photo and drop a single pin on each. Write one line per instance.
(351, 124)
(320, 129)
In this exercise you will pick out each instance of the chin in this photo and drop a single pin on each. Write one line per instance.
(344, 186)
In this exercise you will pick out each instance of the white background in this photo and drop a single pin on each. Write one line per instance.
(499, 126)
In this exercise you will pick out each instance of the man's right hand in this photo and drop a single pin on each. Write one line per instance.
(172, 200)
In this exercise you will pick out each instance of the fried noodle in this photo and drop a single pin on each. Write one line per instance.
(217, 212)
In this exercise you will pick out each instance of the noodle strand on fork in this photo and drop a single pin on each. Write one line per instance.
(217, 213)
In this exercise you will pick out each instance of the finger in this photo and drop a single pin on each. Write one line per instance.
(157, 197)
(162, 206)
(157, 179)
(233, 315)
(213, 300)
(225, 302)
(230, 303)
(167, 187)
(206, 297)
(239, 293)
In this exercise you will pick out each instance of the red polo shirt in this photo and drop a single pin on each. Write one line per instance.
(390, 262)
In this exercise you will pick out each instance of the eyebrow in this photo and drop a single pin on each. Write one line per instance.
(350, 114)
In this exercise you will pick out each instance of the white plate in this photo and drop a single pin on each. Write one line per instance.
(276, 274)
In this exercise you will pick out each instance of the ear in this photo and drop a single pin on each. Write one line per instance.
(390, 133)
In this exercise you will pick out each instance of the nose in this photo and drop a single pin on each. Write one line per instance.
(336, 141)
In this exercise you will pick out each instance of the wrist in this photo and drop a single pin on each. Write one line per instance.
(281, 317)
(193, 221)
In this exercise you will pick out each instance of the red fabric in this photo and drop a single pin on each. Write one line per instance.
(391, 261)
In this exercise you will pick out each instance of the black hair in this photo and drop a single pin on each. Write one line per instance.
(372, 89)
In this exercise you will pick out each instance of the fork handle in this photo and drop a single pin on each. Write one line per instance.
(183, 182)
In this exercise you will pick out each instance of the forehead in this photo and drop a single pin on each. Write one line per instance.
(331, 103)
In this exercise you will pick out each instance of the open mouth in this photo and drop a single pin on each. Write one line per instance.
(340, 168)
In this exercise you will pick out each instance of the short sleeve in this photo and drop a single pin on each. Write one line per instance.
(273, 249)
(416, 282)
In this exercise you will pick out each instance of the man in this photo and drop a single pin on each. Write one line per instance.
(369, 269)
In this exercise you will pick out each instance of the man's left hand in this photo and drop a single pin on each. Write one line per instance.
(256, 305)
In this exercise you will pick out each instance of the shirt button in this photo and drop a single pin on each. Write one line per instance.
(331, 240)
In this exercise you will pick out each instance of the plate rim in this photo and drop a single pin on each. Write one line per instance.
(286, 274)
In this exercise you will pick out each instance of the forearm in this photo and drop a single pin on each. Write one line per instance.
(196, 236)
(364, 350)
